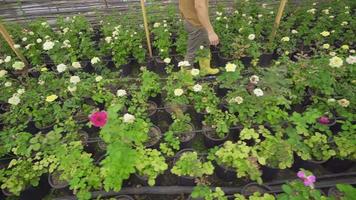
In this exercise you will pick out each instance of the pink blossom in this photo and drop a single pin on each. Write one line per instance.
(301, 174)
(99, 119)
(324, 120)
(309, 181)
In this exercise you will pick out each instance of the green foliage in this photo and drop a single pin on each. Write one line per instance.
(255, 196)
(151, 164)
(206, 193)
(348, 191)
(297, 191)
(241, 158)
(189, 164)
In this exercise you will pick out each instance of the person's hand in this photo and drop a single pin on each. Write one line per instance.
(213, 38)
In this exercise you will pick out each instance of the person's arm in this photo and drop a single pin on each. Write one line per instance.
(203, 15)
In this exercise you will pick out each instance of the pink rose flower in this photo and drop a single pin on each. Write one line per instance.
(99, 119)
(308, 180)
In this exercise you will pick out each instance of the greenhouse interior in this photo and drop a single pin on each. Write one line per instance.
(177, 100)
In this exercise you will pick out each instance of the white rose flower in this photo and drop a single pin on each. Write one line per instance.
(285, 39)
(331, 16)
(2, 73)
(121, 93)
(336, 62)
(76, 65)
(331, 100)
(41, 82)
(48, 45)
(201, 47)
(95, 60)
(128, 118)
(197, 88)
(108, 39)
(24, 39)
(345, 47)
(195, 72)
(312, 11)
(14, 100)
(259, 15)
(61, 68)
(156, 25)
(98, 78)
(44, 23)
(167, 60)
(258, 92)
(20, 91)
(31, 33)
(8, 84)
(47, 37)
(352, 51)
(183, 64)
(74, 79)
(294, 31)
(325, 11)
(325, 33)
(344, 102)
(351, 60)
(18, 65)
(16, 46)
(72, 88)
(344, 23)
(230, 67)
(65, 30)
(7, 59)
(28, 46)
(254, 79)
(326, 46)
(238, 100)
(178, 92)
(251, 36)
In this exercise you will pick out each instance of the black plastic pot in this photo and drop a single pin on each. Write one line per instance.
(266, 59)
(251, 188)
(156, 133)
(222, 92)
(268, 173)
(225, 173)
(336, 165)
(159, 66)
(209, 141)
(188, 142)
(246, 61)
(126, 69)
(222, 61)
(45, 129)
(124, 197)
(334, 193)
(184, 180)
(310, 165)
(56, 185)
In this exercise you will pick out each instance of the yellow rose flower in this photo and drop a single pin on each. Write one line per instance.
(51, 98)
(344, 102)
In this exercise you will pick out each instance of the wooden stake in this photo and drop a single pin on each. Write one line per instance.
(106, 4)
(146, 27)
(11, 43)
(277, 21)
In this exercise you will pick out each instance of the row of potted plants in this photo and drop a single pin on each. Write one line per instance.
(311, 29)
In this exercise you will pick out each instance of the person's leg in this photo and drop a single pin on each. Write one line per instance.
(197, 36)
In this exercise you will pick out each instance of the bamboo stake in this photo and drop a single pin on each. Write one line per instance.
(277, 21)
(146, 27)
(106, 4)
(11, 43)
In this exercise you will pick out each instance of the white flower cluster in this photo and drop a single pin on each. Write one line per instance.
(183, 64)
(178, 92)
(237, 100)
(66, 44)
(95, 60)
(230, 67)
(121, 93)
(18, 65)
(61, 68)
(48, 45)
(336, 62)
(128, 118)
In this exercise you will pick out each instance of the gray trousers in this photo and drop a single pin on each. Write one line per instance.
(197, 36)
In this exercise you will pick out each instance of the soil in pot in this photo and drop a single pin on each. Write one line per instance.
(171, 107)
(55, 182)
(211, 138)
(266, 59)
(154, 136)
(336, 165)
(124, 197)
(151, 108)
(251, 188)
(186, 138)
(225, 173)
